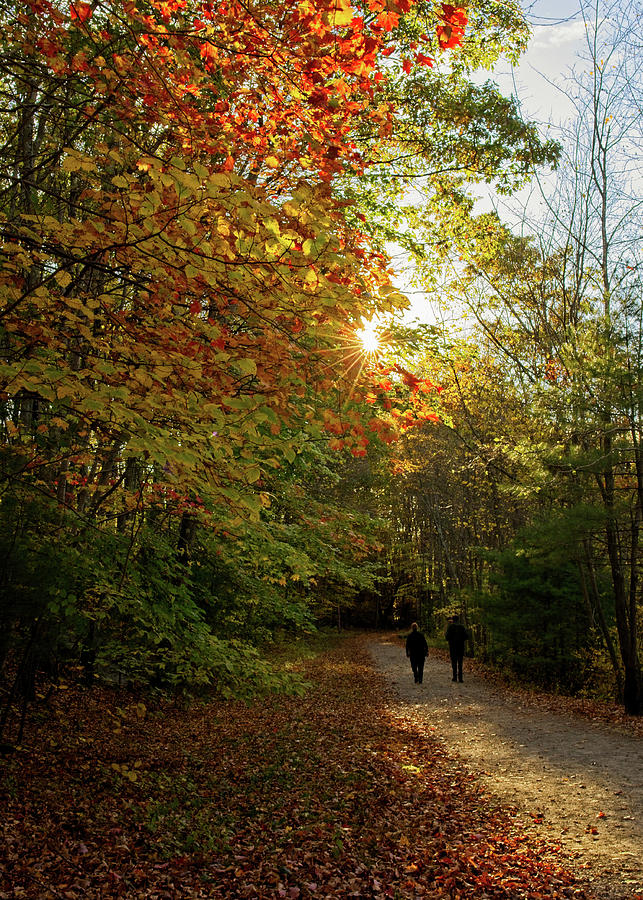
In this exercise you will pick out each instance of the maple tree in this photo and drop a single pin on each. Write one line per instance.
(179, 284)
(191, 237)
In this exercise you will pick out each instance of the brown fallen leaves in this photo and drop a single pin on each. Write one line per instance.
(325, 796)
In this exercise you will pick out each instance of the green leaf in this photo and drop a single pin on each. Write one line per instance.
(246, 366)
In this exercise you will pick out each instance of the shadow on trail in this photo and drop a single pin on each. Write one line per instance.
(575, 782)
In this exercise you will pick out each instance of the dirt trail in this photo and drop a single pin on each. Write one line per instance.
(571, 782)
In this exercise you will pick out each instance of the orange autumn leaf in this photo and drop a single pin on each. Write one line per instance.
(388, 20)
(79, 11)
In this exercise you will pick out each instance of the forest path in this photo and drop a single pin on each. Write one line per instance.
(573, 783)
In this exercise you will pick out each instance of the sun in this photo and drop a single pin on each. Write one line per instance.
(369, 338)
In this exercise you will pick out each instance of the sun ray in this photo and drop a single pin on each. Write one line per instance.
(358, 349)
(369, 338)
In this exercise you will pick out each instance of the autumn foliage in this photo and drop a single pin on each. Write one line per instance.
(180, 288)
(450, 31)
(177, 273)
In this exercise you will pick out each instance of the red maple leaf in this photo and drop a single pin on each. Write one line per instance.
(423, 60)
(80, 12)
(388, 20)
(451, 29)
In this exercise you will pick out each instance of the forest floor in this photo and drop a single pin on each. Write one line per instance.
(348, 791)
(572, 771)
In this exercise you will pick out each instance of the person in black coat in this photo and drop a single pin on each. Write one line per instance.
(417, 651)
(456, 635)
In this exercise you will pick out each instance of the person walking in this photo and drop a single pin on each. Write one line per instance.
(417, 651)
(456, 635)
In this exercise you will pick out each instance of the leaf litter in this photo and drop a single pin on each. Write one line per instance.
(571, 770)
(329, 795)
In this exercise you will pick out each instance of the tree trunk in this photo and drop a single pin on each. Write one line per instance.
(595, 611)
(187, 533)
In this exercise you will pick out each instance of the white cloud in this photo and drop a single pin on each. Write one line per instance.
(550, 36)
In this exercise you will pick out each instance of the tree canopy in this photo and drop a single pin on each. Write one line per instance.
(197, 204)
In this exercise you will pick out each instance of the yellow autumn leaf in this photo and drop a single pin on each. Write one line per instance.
(71, 164)
(63, 278)
(342, 17)
(342, 14)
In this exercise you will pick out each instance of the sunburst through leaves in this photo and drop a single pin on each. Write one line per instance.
(369, 338)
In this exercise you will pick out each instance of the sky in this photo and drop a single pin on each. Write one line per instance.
(558, 37)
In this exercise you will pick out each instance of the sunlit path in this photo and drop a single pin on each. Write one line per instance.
(574, 783)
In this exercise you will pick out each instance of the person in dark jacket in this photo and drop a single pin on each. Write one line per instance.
(417, 651)
(456, 635)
